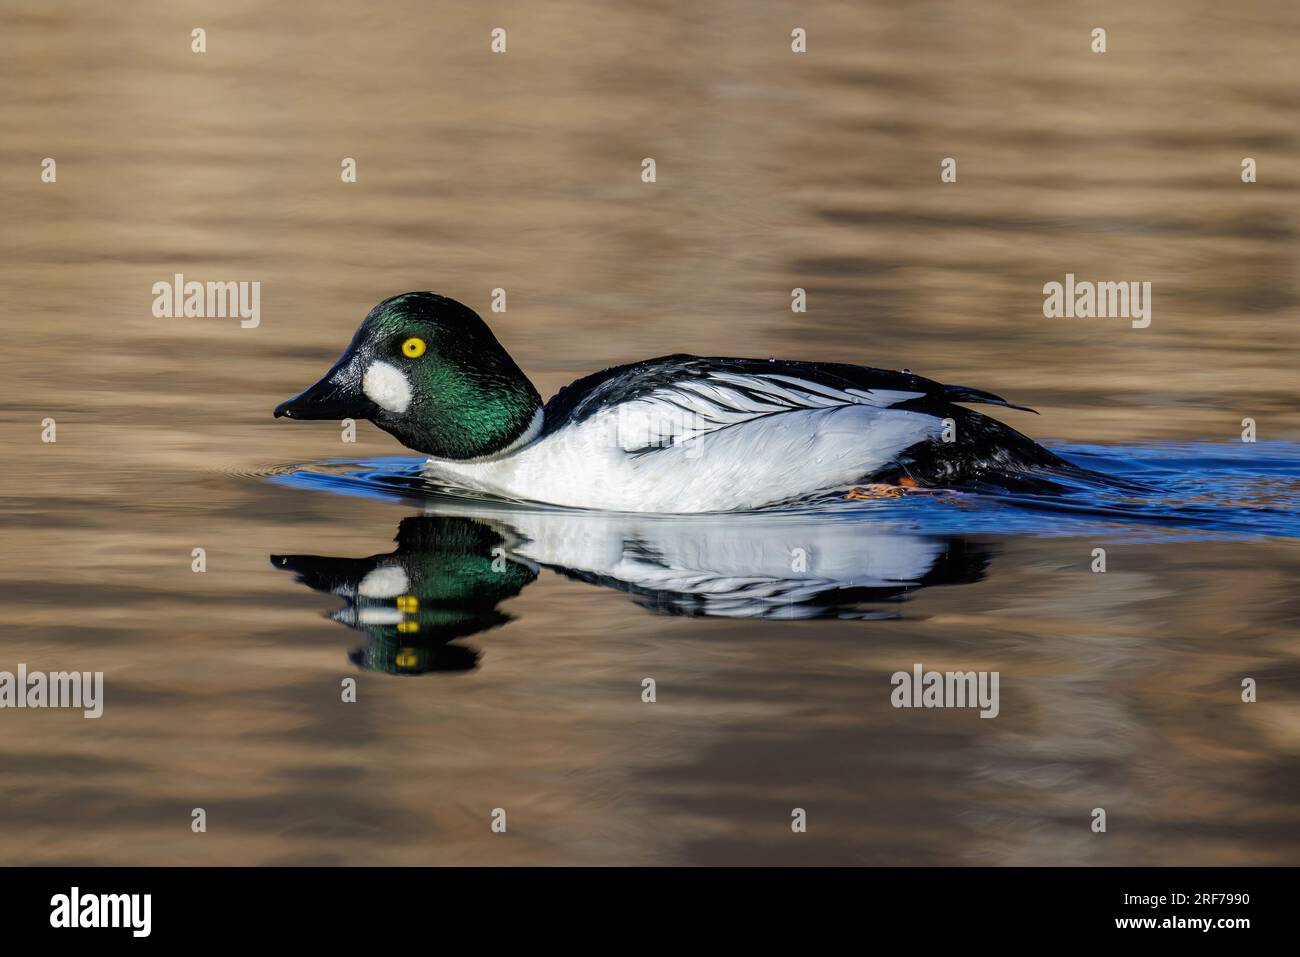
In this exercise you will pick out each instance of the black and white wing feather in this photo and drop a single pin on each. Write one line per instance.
(661, 403)
(670, 400)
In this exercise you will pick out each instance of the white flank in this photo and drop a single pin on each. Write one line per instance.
(746, 465)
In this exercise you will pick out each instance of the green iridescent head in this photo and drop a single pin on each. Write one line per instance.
(428, 371)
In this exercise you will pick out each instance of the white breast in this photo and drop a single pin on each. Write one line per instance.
(751, 463)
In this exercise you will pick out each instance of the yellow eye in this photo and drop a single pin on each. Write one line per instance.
(413, 348)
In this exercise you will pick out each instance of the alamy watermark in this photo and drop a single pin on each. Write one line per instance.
(56, 689)
(75, 909)
(1098, 300)
(211, 300)
(946, 689)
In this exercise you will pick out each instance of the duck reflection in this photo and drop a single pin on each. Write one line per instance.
(449, 572)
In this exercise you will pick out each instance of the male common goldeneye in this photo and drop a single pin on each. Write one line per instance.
(674, 434)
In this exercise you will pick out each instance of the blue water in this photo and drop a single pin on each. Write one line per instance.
(1191, 491)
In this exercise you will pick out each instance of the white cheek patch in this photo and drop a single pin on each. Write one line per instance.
(387, 581)
(386, 386)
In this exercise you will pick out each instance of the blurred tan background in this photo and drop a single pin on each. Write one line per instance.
(775, 170)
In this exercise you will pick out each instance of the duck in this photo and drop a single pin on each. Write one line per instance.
(675, 434)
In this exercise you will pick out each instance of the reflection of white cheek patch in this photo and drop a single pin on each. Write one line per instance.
(386, 387)
(378, 616)
(387, 581)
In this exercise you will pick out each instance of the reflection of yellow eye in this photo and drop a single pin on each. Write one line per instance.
(413, 348)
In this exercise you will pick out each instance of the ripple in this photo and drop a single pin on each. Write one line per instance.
(1162, 492)
(270, 470)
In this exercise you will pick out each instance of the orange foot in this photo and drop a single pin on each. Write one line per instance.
(873, 491)
(905, 484)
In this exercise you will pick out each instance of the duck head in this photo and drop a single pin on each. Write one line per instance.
(428, 371)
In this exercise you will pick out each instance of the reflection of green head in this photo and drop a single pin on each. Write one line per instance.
(458, 563)
(443, 582)
(398, 655)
